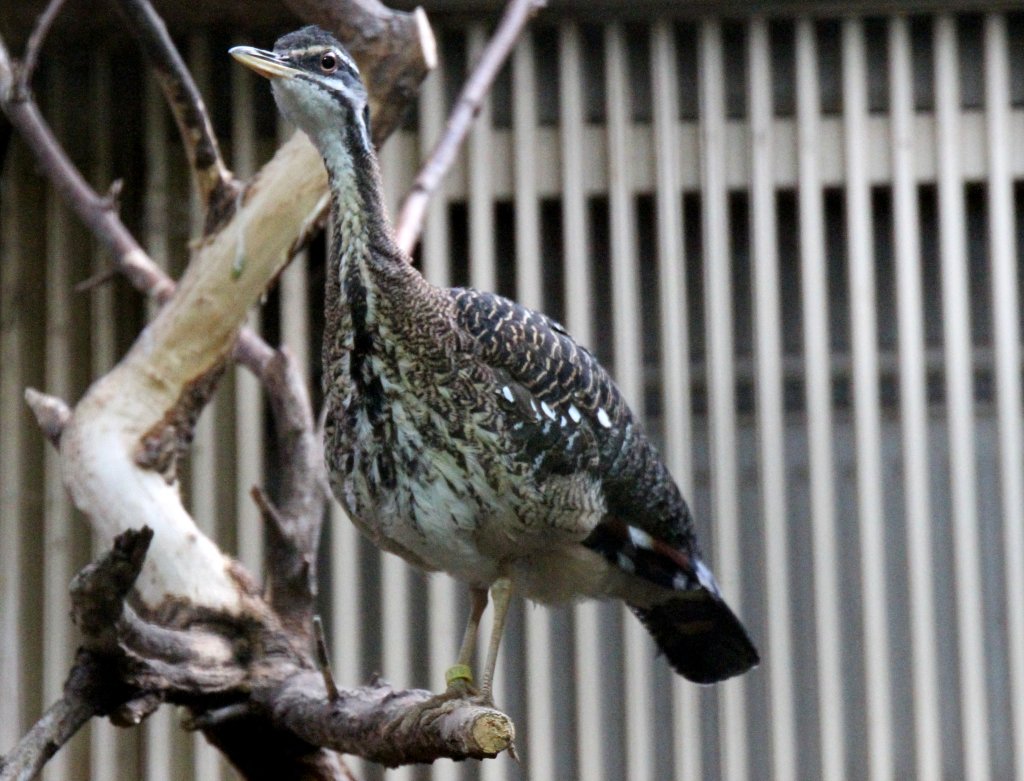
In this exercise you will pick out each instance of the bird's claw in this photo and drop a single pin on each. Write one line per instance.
(459, 692)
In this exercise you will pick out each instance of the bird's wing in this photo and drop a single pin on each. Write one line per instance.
(571, 416)
(647, 531)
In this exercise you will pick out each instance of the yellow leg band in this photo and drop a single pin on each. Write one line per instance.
(457, 671)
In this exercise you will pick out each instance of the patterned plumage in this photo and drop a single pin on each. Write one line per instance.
(469, 434)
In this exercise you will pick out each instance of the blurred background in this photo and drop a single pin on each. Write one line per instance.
(793, 232)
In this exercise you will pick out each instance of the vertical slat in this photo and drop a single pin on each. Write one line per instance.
(913, 405)
(164, 752)
(721, 374)
(575, 239)
(113, 751)
(396, 658)
(677, 423)
(479, 163)
(1006, 328)
(960, 401)
(446, 620)
(529, 279)
(14, 329)
(590, 755)
(770, 408)
(867, 426)
(207, 468)
(819, 406)
(434, 244)
(57, 518)
(541, 728)
(628, 371)
(248, 407)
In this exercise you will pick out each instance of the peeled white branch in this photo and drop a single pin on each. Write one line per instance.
(137, 399)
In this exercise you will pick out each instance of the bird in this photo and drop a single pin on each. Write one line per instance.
(471, 435)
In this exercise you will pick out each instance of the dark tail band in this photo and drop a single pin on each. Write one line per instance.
(700, 636)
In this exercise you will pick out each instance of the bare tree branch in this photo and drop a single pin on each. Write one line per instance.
(35, 45)
(294, 525)
(93, 687)
(467, 106)
(83, 698)
(97, 212)
(369, 722)
(216, 186)
(91, 208)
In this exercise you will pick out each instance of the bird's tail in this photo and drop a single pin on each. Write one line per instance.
(700, 636)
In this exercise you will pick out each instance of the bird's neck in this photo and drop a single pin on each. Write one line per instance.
(361, 233)
(368, 277)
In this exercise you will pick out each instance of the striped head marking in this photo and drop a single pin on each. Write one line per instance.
(317, 86)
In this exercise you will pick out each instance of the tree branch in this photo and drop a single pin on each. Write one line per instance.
(35, 45)
(293, 526)
(94, 686)
(83, 698)
(414, 206)
(90, 207)
(369, 722)
(216, 186)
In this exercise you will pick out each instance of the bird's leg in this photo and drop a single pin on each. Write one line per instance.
(459, 676)
(501, 592)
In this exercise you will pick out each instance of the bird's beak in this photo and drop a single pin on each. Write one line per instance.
(263, 62)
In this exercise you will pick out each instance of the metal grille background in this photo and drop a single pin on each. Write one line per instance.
(796, 242)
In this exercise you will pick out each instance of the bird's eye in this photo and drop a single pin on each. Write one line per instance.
(329, 62)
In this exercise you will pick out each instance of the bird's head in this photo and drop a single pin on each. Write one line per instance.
(317, 87)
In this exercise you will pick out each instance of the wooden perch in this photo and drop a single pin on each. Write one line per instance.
(368, 721)
(250, 674)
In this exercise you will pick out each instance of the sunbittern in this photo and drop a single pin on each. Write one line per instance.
(469, 434)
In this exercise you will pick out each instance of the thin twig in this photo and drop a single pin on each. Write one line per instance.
(217, 187)
(35, 45)
(55, 727)
(467, 106)
(324, 660)
(96, 280)
(52, 413)
(90, 207)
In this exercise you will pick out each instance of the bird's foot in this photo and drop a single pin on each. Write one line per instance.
(459, 692)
